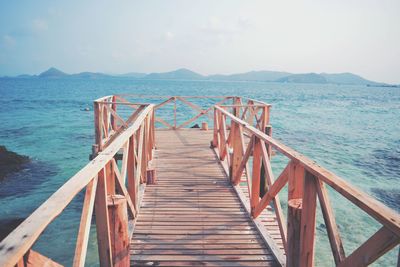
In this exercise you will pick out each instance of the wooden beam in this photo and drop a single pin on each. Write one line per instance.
(35, 259)
(215, 130)
(255, 185)
(102, 222)
(115, 117)
(296, 180)
(163, 103)
(293, 232)
(237, 155)
(158, 119)
(113, 111)
(97, 126)
(121, 187)
(131, 169)
(118, 221)
(330, 223)
(243, 163)
(376, 246)
(190, 120)
(274, 189)
(307, 232)
(84, 227)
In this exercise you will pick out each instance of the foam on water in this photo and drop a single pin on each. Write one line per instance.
(353, 131)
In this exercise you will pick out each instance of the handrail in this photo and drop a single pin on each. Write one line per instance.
(175, 100)
(99, 175)
(306, 181)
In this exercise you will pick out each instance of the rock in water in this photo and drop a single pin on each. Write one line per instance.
(10, 162)
(196, 126)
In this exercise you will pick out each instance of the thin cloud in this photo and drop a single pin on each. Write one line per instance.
(8, 40)
(39, 25)
(169, 36)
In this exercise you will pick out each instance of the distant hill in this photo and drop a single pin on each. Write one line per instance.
(90, 75)
(137, 75)
(180, 74)
(347, 78)
(303, 78)
(52, 73)
(263, 75)
(186, 74)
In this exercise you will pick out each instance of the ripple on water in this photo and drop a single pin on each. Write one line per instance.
(383, 162)
(31, 175)
(390, 197)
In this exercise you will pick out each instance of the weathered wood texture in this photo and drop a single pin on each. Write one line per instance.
(192, 216)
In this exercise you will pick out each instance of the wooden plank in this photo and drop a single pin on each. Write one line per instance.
(35, 259)
(238, 152)
(118, 221)
(102, 222)
(121, 187)
(255, 178)
(274, 189)
(330, 223)
(193, 210)
(376, 246)
(307, 232)
(84, 227)
(293, 233)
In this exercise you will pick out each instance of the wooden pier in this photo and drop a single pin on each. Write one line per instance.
(162, 194)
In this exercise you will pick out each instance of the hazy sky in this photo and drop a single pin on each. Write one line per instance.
(209, 37)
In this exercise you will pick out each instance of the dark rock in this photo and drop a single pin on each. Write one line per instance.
(196, 126)
(10, 162)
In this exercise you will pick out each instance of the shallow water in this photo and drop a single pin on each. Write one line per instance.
(353, 131)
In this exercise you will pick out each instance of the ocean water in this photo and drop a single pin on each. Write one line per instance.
(353, 131)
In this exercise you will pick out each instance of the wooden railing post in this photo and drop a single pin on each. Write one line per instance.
(307, 232)
(295, 206)
(114, 107)
(174, 113)
(238, 152)
(236, 108)
(118, 221)
(255, 184)
(263, 178)
(214, 142)
(97, 126)
(133, 188)
(143, 169)
(102, 222)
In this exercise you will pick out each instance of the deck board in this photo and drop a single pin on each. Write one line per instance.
(193, 216)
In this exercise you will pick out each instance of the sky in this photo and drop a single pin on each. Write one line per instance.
(207, 36)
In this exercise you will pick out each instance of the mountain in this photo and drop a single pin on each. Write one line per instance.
(263, 75)
(303, 78)
(347, 78)
(136, 75)
(180, 74)
(90, 75)
(186, 74)
(52, 73)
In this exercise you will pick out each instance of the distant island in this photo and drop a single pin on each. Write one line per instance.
(345, 78)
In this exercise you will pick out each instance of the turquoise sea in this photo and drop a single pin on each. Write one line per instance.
(353, 131)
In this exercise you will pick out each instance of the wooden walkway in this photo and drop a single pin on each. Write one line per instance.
(193, 216)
